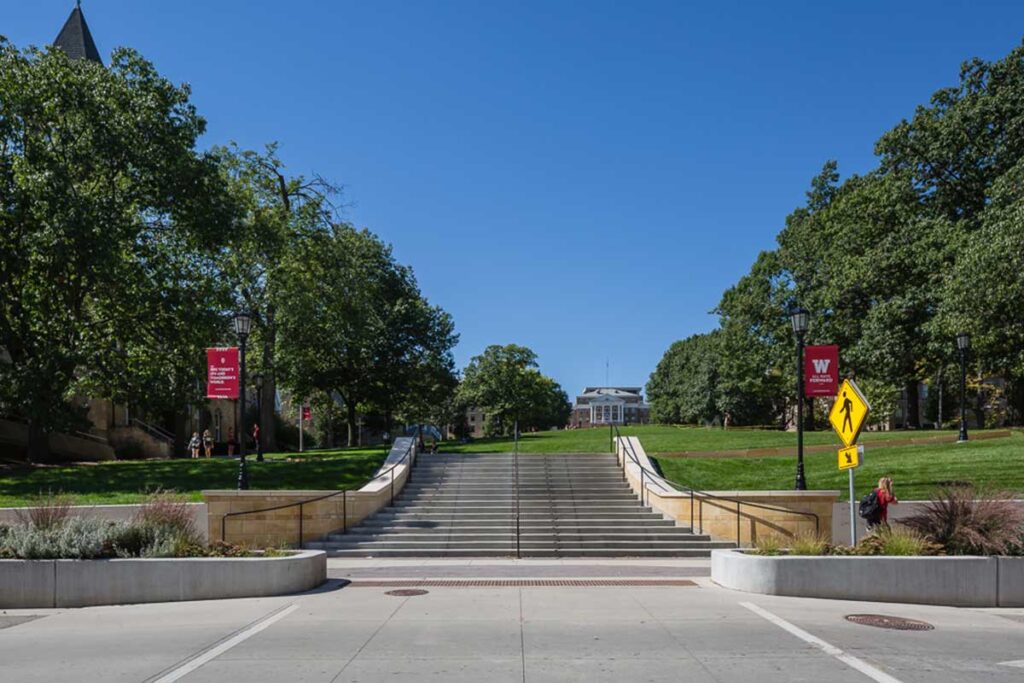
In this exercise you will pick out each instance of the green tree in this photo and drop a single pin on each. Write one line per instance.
(110, 226)
(505, 382)
(277, 210)
(352, 321)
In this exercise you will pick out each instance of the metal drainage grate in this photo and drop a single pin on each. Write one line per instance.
(895, 623)
(406, 592)
(515, 583)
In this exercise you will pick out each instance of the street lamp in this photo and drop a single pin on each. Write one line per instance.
(963, 345)
(243, 324)
(257, 381)
(800, 319)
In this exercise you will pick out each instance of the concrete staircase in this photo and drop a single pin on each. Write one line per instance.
(570, 506)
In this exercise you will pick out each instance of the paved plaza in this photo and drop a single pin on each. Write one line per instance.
(356, 632)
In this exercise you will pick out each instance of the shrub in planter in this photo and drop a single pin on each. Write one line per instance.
(809, 544)
(768, 545)
(52, 511)
(967, 522)
(77, 538)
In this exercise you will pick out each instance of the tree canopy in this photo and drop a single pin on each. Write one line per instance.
(891, 264)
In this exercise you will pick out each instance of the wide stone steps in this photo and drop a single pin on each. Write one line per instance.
(568, 506)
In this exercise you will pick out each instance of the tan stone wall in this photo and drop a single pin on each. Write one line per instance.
(280, 527)
(718, 515)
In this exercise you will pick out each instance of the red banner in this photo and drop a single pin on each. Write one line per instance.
(222, 372)
(307, 413)
(821, 370)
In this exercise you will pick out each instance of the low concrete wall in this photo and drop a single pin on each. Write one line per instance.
(82, 583)
(267, 527)
(111, 512)
(717, 516)
(954, 581)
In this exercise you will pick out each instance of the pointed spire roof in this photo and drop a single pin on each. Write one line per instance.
(75, 38)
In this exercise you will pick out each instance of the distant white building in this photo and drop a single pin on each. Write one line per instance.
(598, 406)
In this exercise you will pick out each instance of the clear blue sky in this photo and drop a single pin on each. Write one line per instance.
(584, 178)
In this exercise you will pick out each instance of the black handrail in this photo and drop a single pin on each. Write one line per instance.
(515, 468)
(343, 493)
(629, 450)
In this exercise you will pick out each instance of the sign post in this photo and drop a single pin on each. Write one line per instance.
(847, 417)
(302, 410)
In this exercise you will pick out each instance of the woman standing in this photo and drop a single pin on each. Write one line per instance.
(193, 445)
(207, 442)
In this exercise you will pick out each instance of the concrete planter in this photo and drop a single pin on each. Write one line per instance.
(81, 583)
(954, 581)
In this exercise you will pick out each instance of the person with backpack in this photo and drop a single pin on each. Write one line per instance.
(874, 508)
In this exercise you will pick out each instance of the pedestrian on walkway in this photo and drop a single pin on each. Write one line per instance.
(194, 444)
(208, 442)
(232, 444)
(885, 498)
(256, 442)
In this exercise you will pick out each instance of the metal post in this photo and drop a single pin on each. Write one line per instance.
(691, 511)
(243, 473)
(392, 487)
(301, 517)
(963, 396)
(515, 468)
(853, 513)
(611, 438)
(344, 511)
(801, 481)
(737, 524)
(300, 426)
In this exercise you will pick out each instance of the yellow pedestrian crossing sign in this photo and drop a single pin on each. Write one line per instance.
(849, 457)
(849, 412)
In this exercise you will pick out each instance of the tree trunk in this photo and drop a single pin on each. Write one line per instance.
(268, 425)
(913, 416)
(350, 419)
(38, 442)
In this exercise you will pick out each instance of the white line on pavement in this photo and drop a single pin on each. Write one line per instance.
(193, 664)
(1018, 662)
(858, 664)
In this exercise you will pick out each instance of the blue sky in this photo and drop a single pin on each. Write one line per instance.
(584, 178)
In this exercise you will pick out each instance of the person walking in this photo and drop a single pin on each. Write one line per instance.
(885, 498)
(194, 444)
(208, 442)
(256, 442)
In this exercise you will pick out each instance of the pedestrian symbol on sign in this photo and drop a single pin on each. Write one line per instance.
(849, 412)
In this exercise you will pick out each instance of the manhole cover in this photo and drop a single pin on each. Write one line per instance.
(895, 623)
(407, 592)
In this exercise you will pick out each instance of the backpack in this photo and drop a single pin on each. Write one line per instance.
(869, 506)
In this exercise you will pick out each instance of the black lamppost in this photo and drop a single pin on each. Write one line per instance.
(243, 324)
(800, 319)
(257, 381)
(963, 345)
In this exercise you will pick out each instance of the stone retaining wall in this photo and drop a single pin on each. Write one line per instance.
(280, 527)
(954, 581)
(717, 516)
(81, 583)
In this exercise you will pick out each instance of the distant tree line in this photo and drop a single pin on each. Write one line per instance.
(124, 251)
(891, 265)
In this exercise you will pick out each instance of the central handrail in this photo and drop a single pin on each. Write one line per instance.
(515, 469)
(409, 451)
(628, 449)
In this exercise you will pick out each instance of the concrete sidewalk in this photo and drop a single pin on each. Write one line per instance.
(682, 633)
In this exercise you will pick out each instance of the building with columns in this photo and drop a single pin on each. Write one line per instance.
(601, 406)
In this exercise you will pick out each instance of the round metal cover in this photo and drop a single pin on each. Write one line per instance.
(407, 592)
(883, 621)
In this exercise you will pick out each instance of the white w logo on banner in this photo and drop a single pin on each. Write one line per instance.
(821, 364)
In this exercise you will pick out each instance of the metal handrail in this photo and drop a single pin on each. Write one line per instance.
(154, 431)
(343, 493)
(696, 493)
(515, 468)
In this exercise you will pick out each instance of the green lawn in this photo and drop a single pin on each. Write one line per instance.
(667, 439)
(129, 481)
(916, 470)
